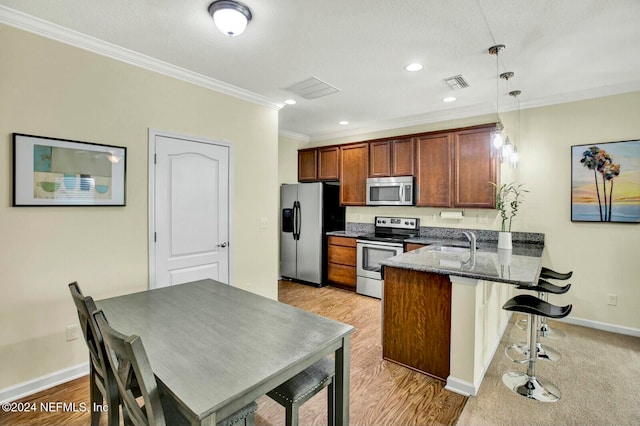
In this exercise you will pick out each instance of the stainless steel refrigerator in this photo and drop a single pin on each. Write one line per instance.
(309, 211)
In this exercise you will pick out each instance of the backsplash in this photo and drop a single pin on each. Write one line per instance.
(438, 233)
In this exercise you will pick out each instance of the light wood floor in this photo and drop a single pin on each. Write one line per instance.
(382, 393)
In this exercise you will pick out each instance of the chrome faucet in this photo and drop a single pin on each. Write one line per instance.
(472, 240)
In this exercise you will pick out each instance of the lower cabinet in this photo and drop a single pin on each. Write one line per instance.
(341, 258)
(412, 246)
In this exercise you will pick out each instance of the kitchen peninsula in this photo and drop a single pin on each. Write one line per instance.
(442, 305)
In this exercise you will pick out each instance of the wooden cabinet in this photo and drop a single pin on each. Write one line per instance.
(434, 177)
(319, 164)
(412, 246)
(391, 158)
(474, 169)
(307, 165)
(329, 163)
(354, 161)
(341, 262)
(453, 169)
(416, 328)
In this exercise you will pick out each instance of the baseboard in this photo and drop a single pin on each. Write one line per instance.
(460, 386)
(47, 381)
(601, 326)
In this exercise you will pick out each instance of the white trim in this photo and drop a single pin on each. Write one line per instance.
(629, 331)
(153, 133)
(47, 381)
(293, 135)
(56, 32)
(461, 387)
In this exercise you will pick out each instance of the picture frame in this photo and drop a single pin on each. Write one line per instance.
(62, 172)
(605, 182)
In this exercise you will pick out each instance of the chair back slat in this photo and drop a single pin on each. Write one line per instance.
(130, 365)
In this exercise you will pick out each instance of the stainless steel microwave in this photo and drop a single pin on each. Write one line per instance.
(390, 191)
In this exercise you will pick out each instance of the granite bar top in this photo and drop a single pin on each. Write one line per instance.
(520, 266)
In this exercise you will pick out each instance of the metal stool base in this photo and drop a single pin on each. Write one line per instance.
(544, 330)
(531, 387)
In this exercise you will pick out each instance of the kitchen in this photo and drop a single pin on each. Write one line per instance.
(546, 134)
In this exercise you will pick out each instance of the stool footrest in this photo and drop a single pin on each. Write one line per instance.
(528, 304)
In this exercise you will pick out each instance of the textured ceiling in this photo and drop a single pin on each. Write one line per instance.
(559, 51)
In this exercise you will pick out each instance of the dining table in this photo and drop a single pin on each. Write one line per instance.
(215, 348)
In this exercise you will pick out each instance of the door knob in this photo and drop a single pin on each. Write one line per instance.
(222, 244)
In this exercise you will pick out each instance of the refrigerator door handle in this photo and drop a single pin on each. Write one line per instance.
(298, 219)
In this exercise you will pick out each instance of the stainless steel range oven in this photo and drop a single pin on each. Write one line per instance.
(387, 241)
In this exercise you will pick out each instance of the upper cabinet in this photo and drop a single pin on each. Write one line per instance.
(319, 164)
(475, 169)
(354, 161)
(391, 158)
(454, 169)
(307, 165)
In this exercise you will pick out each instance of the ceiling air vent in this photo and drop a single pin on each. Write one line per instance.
(312, 88)
(456, 82)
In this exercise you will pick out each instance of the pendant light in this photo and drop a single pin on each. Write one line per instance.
(513, 155)
(231, 17)
(498, 135)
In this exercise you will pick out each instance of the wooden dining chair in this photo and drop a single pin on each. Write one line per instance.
(303, 386)
(102, 384)
(129, 362)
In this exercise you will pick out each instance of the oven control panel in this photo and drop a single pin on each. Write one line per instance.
(411, 223)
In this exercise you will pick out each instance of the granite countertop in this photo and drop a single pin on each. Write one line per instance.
(520, 266)
(350, 234)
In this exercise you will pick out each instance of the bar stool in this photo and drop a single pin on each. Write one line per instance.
(527, 384)
(546, 273)
(544, 352)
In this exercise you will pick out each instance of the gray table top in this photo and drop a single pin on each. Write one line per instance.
(520, 266)
(217, 347)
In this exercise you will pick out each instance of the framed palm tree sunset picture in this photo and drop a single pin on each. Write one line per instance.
(605, 182)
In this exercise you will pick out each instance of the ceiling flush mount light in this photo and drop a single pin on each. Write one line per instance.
(290, 101)
(498, 136)
(230, 16)
(413, 67)
(449, 99)
(343, 122)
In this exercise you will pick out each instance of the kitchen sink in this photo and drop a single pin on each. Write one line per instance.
(449, 249)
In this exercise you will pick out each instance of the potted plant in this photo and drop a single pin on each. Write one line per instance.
(508, 200)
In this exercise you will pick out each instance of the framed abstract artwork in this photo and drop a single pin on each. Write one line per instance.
(60, 172)
(605, 182)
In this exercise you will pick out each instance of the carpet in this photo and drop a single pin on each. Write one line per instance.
(598, 375)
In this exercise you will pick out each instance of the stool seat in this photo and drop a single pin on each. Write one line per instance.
(550, 273)
(546, 287)
(528, 304)
(304, 385)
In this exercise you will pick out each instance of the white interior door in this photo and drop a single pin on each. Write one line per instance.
(190, 211)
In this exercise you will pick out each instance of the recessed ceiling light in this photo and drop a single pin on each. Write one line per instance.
(413, 67)
(343, 122)
(449, 99)
(290, 101)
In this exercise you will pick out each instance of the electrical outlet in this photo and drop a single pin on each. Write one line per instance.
(263, 222)
(73, 332)
(612, 299)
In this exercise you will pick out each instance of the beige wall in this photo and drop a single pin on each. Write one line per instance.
(604, 257)
(51, 89)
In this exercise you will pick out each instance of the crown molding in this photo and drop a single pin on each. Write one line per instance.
(293, 135)
(56, 32)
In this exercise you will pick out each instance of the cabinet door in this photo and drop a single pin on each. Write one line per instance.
(434, 178)
(412, 246)
(328, 163)
(307, 165)
(474, 169)
(380, 159)
(402, 157)
(354, 160)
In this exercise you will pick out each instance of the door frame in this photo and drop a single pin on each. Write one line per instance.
(152, 191)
